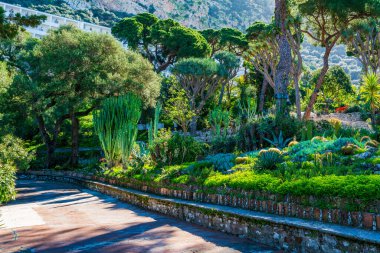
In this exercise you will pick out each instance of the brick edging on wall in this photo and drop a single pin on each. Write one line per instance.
(307, 207)
(289, 234)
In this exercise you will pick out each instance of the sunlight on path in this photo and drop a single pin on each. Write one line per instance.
(19, 216)
(56, 217)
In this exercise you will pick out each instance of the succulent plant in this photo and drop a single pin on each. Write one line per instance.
(307, 131)
(242, 160)
(222, 162)
(365, 139)
(336, 124)
(372, 144)
(293, 143)
(319, 138)
(269, 159)
(349, 149)
(279, 142)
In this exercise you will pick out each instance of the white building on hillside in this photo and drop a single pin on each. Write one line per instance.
(52, 21)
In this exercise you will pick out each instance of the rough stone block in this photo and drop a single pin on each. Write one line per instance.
(317, 213)
(368, 220)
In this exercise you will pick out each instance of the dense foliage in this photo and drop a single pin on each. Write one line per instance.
(13, 156)
(260, 119)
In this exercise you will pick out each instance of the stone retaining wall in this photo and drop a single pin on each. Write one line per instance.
(347, 212)
(288, 234)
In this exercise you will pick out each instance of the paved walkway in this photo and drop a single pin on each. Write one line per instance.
(57, 217)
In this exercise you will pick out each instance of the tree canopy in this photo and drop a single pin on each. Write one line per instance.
(363, 42)
(200, 78)
(336, 88)
(226, 39)
(162, 42)
(71, 71)
(325, 21)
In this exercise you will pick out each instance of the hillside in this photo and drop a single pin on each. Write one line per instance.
(199, 14)
(193, 13)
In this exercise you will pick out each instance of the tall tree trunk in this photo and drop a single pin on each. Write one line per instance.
(74, 161)
(298, 98)
(193, 125)
(283, 69)
(321, 78)
(296, 47)
(50, 142)
(263, 91)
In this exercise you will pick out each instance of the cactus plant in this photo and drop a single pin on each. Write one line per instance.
(307, 131)
(220, 121)
(372, 144)
(153, 126)
(293, 143)
(116, 126)
(269, 159)
(336, 124)
(242, 160)
(349, 149)
(319, 139)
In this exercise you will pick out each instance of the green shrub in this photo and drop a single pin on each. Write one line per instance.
(13, 156)
(353, 187)
(289, 126)
(169, 149)
(7, 183)
(355, 108)
(341, 142)
(13, 152)
(222, 162)
(302, 151)
(224, 145)
(246, 180)
(364, 187)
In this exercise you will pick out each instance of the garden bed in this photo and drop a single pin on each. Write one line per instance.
(313, 199)
(283, 233)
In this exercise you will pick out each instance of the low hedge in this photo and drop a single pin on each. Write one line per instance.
(363, 187)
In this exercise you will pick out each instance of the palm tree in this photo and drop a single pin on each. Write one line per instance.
(370, 91)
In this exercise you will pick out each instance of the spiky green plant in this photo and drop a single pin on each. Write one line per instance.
(248, 109)
(307, 131)
(128, 131)
(370, 92)
(153, 126)
(279, 142)
(219, 119)
(116, 126)
(269, 159)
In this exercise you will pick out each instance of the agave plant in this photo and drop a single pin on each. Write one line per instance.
(279, 142)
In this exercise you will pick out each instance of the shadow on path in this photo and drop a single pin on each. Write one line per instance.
(80, 220)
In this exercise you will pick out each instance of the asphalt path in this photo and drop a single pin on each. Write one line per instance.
(57, 217)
